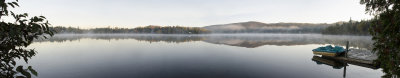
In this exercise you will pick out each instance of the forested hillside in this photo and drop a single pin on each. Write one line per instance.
(349, 28)
(339, 28)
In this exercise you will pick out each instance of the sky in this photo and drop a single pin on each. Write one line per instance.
(192, 13)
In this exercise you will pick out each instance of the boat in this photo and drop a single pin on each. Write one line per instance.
(329, 51)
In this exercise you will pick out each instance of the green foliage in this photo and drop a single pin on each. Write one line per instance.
(14, 37)
(349, 28)
(144, 30)
(385, 31)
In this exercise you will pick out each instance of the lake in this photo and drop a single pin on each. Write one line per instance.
(193, 56)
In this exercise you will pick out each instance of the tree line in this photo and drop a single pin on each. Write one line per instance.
(341, 28)
(142, 30)
(349, 28)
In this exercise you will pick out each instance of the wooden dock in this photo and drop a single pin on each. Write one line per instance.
(343, 58)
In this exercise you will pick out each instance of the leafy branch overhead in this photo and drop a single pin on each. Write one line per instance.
(16, 36)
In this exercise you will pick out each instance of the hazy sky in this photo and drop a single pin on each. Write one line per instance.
(133, 13)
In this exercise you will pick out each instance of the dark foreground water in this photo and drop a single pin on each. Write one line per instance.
(193, 56)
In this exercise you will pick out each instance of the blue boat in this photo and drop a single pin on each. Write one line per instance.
(329, 51)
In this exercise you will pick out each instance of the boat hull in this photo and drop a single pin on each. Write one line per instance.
(326, 53)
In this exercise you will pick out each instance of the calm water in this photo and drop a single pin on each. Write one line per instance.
(192, 56)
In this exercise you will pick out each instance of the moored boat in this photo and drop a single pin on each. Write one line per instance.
(329, 51)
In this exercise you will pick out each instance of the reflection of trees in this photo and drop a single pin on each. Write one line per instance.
(252, 41)
(59, 39)
(170, 39)
(139, 37)
(249, 41)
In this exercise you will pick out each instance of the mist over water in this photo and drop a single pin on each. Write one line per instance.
(193, 56)
(240, 40)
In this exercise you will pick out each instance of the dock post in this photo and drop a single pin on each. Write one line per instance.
(347, 49)
(345, 55)
(344, 71)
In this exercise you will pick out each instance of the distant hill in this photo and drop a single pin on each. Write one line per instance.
(259, 27)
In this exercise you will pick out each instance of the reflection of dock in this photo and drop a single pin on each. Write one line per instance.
(362, 63)
(336, 64)
(339, 62)
(342, 62)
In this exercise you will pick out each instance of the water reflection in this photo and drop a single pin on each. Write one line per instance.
(336, 64)
(240, 40)
(188, 56)
(339, 64)
(253, 41)
(139, 37)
